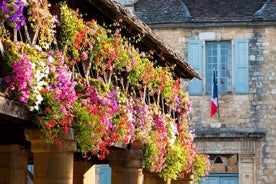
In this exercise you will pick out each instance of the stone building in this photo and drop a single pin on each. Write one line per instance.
(236, 39)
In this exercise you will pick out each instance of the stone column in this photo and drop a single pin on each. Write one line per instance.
(52, 164)
(126, 166)
(152, 178)
(246, 168)
(13, 164)
(188, 179)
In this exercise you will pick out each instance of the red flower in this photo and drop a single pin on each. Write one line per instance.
(65, 130)
(48, 109)
(115, 45)
(106, 50)
(99, 55)
(182, 175)
(76, 44)
(117, 36)
(73, 62)
(52, 123)
(59, 143)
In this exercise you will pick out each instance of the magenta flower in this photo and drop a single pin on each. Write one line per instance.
(84, 56)
(7, 79)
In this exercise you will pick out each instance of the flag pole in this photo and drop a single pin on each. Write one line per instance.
(214, 101)
(217, 96)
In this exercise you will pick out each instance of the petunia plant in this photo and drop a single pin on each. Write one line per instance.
(91, 78)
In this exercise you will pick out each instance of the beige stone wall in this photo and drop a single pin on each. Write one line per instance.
(255, 110)
(234, 109)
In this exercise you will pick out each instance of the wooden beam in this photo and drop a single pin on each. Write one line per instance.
(14, 109)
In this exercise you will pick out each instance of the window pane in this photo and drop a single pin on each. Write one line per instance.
(218, 57)
(224, 163)
(211, 63)
(225, 68)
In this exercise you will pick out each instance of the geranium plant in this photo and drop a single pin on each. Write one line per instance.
(91, 78)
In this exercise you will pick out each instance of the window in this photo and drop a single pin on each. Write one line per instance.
(225, 169)
(218, 58)
(232, 70)
(224, 163)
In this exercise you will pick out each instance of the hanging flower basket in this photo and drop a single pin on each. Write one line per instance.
(186, 178)
(91, 78)
(154, 178)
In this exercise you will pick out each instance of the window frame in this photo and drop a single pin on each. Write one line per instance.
(218, 68)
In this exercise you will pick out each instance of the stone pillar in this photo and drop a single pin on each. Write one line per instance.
(246, 168)
(152, 178)
(84, 173)
(13, 164)
(52, 164)
(126, 166)
(188, 179)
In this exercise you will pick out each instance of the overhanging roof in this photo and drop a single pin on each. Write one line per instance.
(112, 10)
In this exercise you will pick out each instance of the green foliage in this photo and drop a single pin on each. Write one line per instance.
(201, 166)
(70, 23)
(176, 160)
(95, 81)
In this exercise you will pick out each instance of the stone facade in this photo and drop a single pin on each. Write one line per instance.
(255, 111)
(246, 124)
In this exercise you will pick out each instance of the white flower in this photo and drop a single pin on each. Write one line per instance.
(50, 59)
(38, 48)
(31, 108)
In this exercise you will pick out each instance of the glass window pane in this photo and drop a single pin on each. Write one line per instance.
(224, 163)
(211, 63)
(218, 57)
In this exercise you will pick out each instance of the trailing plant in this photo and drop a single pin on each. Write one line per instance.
(77, 74)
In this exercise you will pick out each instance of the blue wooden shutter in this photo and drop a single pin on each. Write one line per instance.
(105, 175)
(241, 66)
(195, 59)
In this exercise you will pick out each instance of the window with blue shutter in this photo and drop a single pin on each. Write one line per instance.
(232, 71)
(195, 59)
(241, 66)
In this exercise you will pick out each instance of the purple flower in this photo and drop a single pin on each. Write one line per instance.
(12, 12)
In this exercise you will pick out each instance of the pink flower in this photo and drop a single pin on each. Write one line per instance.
(23, 99)
(7, 79)
(84, 56)
(12, 87)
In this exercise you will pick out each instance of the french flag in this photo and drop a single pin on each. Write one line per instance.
(214, 103)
